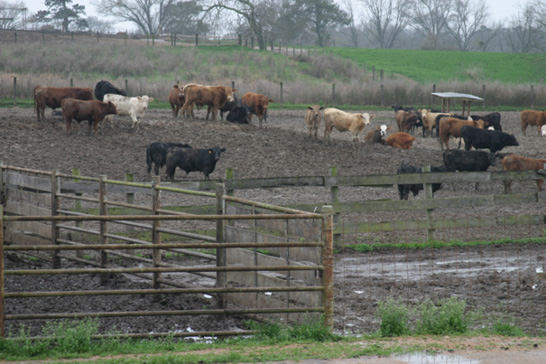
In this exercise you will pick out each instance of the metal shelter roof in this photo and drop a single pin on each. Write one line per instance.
(456, 95)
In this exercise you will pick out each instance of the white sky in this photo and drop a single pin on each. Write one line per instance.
(499, 9)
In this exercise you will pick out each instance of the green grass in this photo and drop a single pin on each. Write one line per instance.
(432, 66)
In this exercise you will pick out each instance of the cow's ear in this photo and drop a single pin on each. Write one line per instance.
(321, 108)
(372, 116)
(233, 89)
(210, 151)
(309, 107)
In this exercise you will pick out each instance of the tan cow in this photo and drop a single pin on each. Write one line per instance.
(93, 111)
(344, 121)
(52, 97)
(534, 118)
(514, 162)
(257, 104)
(213, 96)
(400, 140)
(313, 118)
(452, 126)
(429, 120)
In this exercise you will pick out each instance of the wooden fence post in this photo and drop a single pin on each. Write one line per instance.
(126, 87)
(334, 198)
(221, 238)
(2, 309)
(77, 207)
(103, 211)
(483, 97)
(328, 264)
(71, 82)
(382, 95)
(129, 196)
(55, 190)
(196, 40)
(281, 92)
(373, 73)
(125, 37)
(433, 97)
(156, 235)
(431, 232)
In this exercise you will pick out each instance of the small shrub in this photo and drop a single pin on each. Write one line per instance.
(445, 318)
(394, 318)
(23, 346)
(310, 329)
(73, 337)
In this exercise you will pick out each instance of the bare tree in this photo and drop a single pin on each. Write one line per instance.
(486, 35)
(429, 18)
(466, 19)
(150, 16)
(524, 35)
(323, 15)
(12, 15)
(387, 20)
(352, 28)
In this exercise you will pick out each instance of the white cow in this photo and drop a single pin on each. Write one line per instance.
(543, 130)
(344, 121)
(128, 106)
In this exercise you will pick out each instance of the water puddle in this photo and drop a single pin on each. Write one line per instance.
(424, 358)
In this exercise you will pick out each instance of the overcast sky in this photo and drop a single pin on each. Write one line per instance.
(499, 9)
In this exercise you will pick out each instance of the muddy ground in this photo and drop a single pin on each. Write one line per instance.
(499, 279)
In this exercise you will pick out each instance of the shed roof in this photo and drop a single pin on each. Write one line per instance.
(456, 95)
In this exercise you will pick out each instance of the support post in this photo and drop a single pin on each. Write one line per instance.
(77, 207)
(334, 193)
(221, 280)
(55, 190)
(103, 211)
(156, 235)
(431, 233)
(328, 264)
(2, 308)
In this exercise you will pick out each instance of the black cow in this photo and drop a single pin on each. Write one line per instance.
(493, 119)
(239, 114)
(404, 189)
(468, 161)
(190, 160)
(488, 139)
(156, 153)
(104, 87)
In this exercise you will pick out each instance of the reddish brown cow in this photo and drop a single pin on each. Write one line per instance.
(52, 97)
(176, 99)
(533, 118)
(514, 162)
(93, 111)
(258, 105)
(213, 96)
(400, 140)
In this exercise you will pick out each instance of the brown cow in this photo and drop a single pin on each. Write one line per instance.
(52, 97)
(377, 135)
(93, 111)
(176, 99)
(534, 118)
(213, 96)
(405, 120)
(452, 126)
(312, 119)
(514, 162)
(400, 140)
(257, 104)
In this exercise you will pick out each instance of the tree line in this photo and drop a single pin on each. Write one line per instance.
(464, 25)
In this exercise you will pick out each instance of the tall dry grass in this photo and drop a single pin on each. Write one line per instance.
(322, 78)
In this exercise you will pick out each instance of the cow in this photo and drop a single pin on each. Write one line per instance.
(411, 125)
(450, 125)
(213, 96)
(228, 106)
(533, 118)
(514, 162)
(176, 99)
(488, 139)
(404, 189)
(493, 119)
(156, 153)
(104, 87)
(313, 119)
(343, 121)
(52, 97)
(441, 116)
(257, 104)
(406, 120)
(239, 114)
(468, 161)
(93, 111)
(543, 130)
(377, 135)
(400, 140)
(135, 107)
(190, 160)
(429, 120)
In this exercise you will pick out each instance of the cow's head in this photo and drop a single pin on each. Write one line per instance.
(229, 94)
(367, 117)
(480, 123)
(383, 129)
(215, 152)
(316, 110)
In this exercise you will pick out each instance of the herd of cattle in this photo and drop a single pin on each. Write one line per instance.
(477, 131)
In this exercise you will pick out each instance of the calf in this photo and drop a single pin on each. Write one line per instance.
(104, 87)
(514, 162)
(488, 139)
(493, 119)
(228, 106)
(190, 160)
(343, 121)
(135, 107)
(404, 189)
(156, 153)
(93, 111)
(53, 96)
(313, 119)
(258, 104)
(450, 125)
(377, 135)
(533, 118)
(239, 114)
(176, 99)
(400, 140)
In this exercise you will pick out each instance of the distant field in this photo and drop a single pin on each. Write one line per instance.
(433, 66)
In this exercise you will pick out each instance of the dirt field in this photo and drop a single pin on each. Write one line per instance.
(500, 278)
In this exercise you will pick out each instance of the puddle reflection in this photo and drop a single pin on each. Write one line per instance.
(423, 358)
